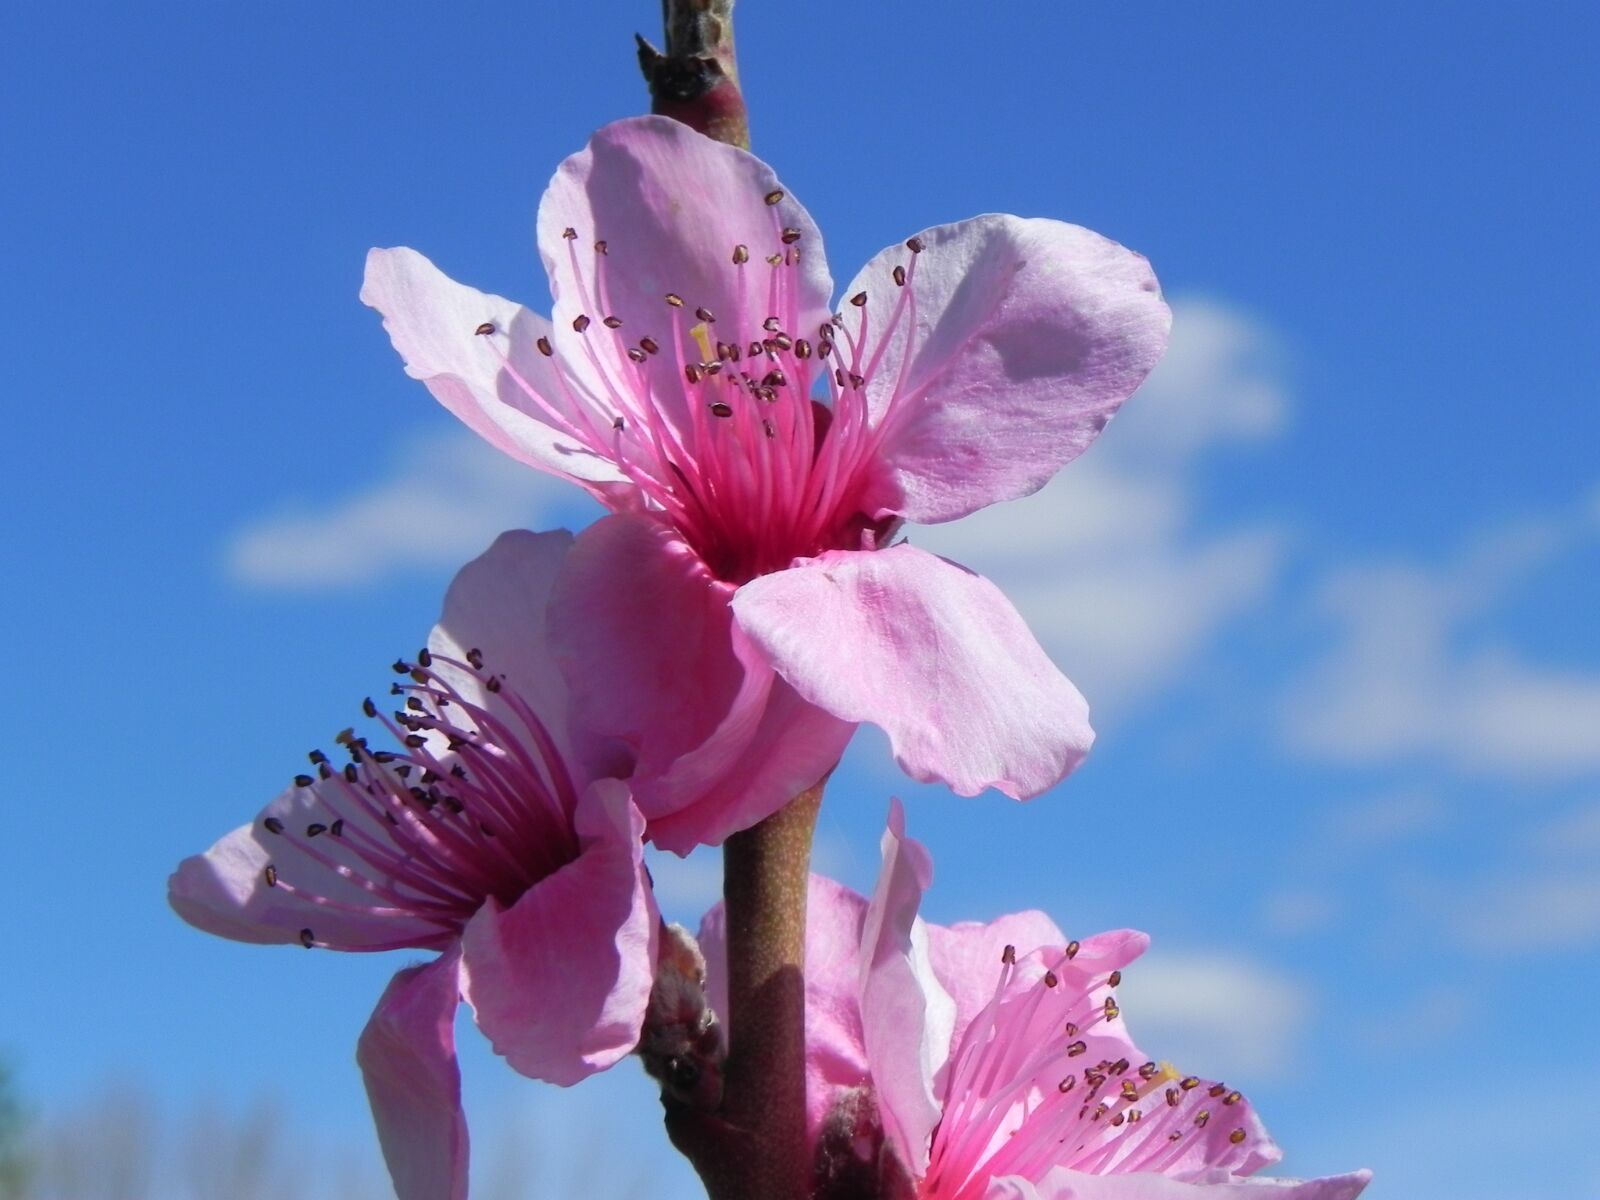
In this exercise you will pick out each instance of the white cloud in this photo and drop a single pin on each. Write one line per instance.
(1298, 911)
(1105, 562)
(1217, 1014)
(1406, 677)
(444, 499)
(1386, 819)
(1574, 834)
(1537, 911)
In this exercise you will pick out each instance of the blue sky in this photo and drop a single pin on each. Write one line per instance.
(1330, 581)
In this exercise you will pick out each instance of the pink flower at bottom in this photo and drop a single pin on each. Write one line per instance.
(746, 605)
(991, 1062)
(482, 835)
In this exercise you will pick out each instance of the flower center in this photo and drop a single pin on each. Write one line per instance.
(476, 803)
(1020, 1099)
(753, 439)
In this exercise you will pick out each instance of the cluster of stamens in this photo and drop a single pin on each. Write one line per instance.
(753, 441)
(474, 804)
(1002, 1116)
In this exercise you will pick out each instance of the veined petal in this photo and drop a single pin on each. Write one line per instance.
(268, 882)
(1062, 1184)
(407, 1055)
(930, 652)
(1027, 337)
(559, 981)
(966, 955)
(483, 379)
(906, 1017)
(670, 206)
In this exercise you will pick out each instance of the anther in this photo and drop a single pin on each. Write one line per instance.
(1008, 955)
(1201, 1118)
(914, 244)
(1067, 1084)
(781, 340)
(692, 373)
(1072, 950)
(368, 707)
(774, 196)
(485, 329)
(637, 355)
(317, 757)
(1050, 979)
(802, 349)
(1175, 1135)
(1189, 1083)
(1130, 1090)
(618, 424)
(303, 781)
(492, 684)
(674, 299)
(772, 324)
(600, 247)
(1071, 1029)
(316, 829)
(350, 774)
(1118, 1119)
(1236, 1136)
(1114, 978)
(790, 236)
(1232, 1098)
(270, 875)
(774, 260)
(720, 409)
(648, 345)
(612, 322)
(1216, 1089)
(899, 276)
(1111, 1009)
(337, 828)
(544, 347)
(1173, 1096)
(273, 825)
(705, 314)
(416, 741)
(580, 323)
(1149, 1071)
(569, 233)
(741, 254)
(774, 379)
(858, 299)
(1077, 1048)
(307, 938)
(768, 428)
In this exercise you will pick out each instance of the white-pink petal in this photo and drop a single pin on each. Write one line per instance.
(1062, 1184)
(930, 652)
(1028, 335)
(407, 1055)
(433, 322)
(559, 981)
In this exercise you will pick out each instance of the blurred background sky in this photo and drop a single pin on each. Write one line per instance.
(1330, 582)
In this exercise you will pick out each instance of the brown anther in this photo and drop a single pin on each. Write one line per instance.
(648, 345)
(618, 424)
(1189, 1083)
(636, 355)
(303, 781)
(317, 757)
(781, 340)
(741, 254)
(1118, 1119)
(1149, 1071)
(485, 329)
(569, 233)
(1135, 1116)
(1174, 1135)
(580, 323)
(270, 875)
(774, 260)
(419, 676)
(721, 409)
(416, 741)
(544, 347)
(307, 938)
(1236, 1136)
(1050, 979)
(611, 322)
(1009, 955)
(1173, 1096)
(475, 659)
(1072, 951)
(1100, 1110)
(773, 197)
(1077, 1048)
(1201, 1118)
(674, 299)
(1216, 1089)
(1111, 1009)
(914, 244)
(424, 658)
(1072, 1029)
(1130, 1090)
(774, 379)
(692, 372)
(705, 315)
(1232, 1098)
(337, 828)
(789, 236)
(768, 428)
(756, 349)
(493, 683)
(1120, 1067)
(858, 299)
(1067, 1084)
(802, 348)
(838, 376)
(899, 276)
(316, 829)
(600, 247)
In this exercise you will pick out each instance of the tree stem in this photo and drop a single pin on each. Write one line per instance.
(696, 79)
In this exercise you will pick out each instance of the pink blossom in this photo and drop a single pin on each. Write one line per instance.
(992, 1062)
(750, 565)
(483, 835)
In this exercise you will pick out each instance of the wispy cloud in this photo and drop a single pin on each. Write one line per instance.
(444, 499)
(1220, 1014)
(1416, 671)
(1107, 562)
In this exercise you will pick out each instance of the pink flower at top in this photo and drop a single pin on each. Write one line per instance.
(991, 1062)
(483, 836)
(746, 604)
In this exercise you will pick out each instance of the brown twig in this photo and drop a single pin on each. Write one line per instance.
(696, 79)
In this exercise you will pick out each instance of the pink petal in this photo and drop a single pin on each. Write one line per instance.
(1029, 335)
(649, 648)
(407, 1055)
(933, 654)
(432, 320)
(966, 957)
(1061, 1184)
(835, 1048)
(670, 205)
(906, 1017)
(559, 981)
(225, 891)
